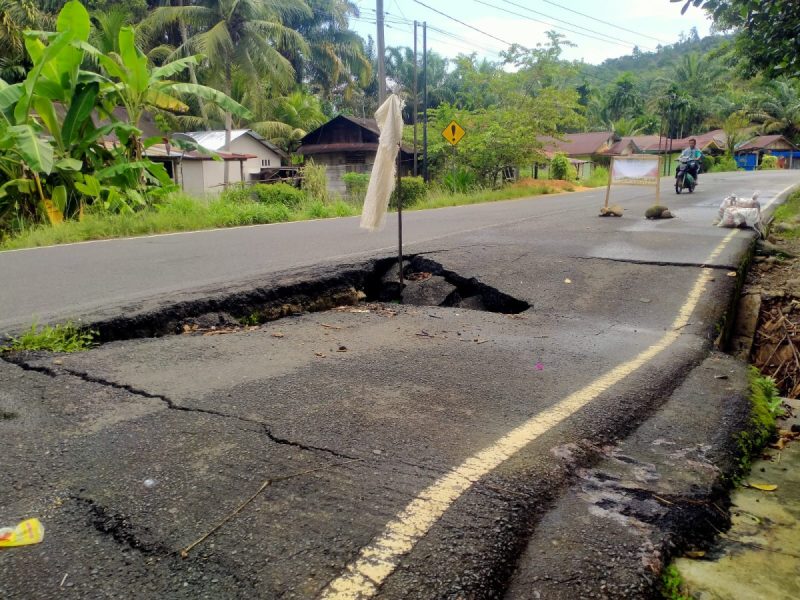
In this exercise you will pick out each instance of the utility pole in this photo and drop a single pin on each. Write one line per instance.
(425, 100)
(416, 100)
(381, 54)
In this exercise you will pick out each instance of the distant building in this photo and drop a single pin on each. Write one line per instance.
(750, 154)
(252, 155)
(348, 145)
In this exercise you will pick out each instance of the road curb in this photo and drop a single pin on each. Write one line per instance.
(651, 496)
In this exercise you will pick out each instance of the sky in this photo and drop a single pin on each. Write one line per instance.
(646, 23)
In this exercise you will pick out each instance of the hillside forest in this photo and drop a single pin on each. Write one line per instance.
(284, 67)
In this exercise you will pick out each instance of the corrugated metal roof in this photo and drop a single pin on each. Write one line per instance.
(215, 140)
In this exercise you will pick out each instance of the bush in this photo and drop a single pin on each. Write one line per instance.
(560, 168)
(238, 192)
(412, 190)
(459, 182)
(315, 181)
(724, 164)
(356, 185)
(768, 163)
(278, 193)
(598, 178)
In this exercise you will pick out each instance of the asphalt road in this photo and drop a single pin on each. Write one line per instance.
(391, 451)
(61, 282)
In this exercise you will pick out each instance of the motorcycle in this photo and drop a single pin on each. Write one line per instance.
(683, 175)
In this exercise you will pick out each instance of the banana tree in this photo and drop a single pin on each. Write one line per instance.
(138, 87)
(53, 157)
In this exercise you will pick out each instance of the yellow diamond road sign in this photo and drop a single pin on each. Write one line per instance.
(453, 133)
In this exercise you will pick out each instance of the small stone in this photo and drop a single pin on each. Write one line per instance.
(645, 300)
(378, 452)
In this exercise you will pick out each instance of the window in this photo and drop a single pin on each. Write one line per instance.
(265, 162)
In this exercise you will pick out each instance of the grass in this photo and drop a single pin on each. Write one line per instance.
(65, 337)
(598, 178)
(672, 584)
(180, 213)
(765, 408)
(185, 213)
(442, 198)
(787, 213)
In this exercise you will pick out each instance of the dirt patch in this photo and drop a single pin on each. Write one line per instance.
(773, 286)
(554, 184)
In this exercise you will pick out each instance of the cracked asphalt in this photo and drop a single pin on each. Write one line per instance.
(135, 450)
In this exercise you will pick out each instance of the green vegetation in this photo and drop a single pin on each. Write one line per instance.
(672, 584)
(723, 164)
(765, 407)
(356, 186)
(598, 178)
(560, 167)
(77, 80)
(768, 163)
(412, 192)
(788, 211)
(58, 338)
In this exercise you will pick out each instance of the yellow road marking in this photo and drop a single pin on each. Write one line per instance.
(378, 560)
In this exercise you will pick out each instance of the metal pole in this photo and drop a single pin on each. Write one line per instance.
(416, 100)
(381, 54)
(399, 213)
(608, 187)
(425, 101)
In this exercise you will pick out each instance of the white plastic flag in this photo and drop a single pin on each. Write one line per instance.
(382, 180)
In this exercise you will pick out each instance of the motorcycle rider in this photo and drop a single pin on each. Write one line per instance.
(693, 157)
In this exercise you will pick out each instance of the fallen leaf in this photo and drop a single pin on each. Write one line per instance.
(764, 487)
(277, 334)
(731, 273)
(330, 326)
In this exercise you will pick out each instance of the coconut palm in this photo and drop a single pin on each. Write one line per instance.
(336, 55)
(15, 17)
(286, 119)
(246, 37)
(778, 109)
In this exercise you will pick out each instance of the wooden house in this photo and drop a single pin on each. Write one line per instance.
(348, 145)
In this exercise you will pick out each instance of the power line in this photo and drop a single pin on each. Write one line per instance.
(605, 38)
(463, 23)
(577, 12)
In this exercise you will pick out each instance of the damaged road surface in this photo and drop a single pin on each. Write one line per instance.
(539, 418)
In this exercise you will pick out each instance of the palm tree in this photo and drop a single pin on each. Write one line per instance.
(246, 37)
(15, 17)
(778, 109)
(336, 55)
(286, 119)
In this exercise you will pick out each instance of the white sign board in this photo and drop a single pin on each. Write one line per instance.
(635, 171)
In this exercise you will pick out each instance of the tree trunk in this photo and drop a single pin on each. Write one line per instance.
(192, 72)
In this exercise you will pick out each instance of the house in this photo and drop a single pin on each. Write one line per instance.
(711, 142)
(253, 156)
(581, 146)
(749, 154)
(348, 144)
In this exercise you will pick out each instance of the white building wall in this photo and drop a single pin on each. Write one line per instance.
(192, 177)
(247, 145)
